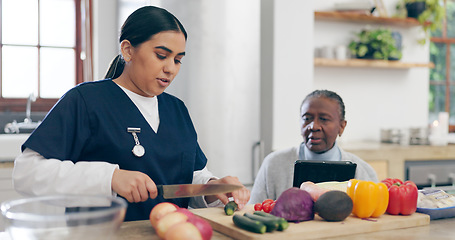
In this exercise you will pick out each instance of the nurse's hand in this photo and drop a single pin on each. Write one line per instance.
(134, 186)
(240, 196)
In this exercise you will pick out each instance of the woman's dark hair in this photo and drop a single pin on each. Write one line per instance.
(330, 95)
(139, 27)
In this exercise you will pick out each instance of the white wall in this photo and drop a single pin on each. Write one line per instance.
(219, 79)
(375, 98)
(105, 36)
(288, 76)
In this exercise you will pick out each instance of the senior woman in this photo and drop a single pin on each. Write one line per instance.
(322, 120)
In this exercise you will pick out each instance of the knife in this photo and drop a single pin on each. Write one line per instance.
(192, 190)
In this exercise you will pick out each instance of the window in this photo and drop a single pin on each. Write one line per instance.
(442, 77)
(40, 43)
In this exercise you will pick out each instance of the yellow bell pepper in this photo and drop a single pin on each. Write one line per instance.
(370, 199)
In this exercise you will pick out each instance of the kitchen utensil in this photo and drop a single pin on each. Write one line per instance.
(63, 217)
(191, 190)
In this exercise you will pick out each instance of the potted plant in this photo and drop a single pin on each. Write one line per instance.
(376, 44)
(429, 13)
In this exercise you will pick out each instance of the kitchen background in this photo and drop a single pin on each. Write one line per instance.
(249, 65)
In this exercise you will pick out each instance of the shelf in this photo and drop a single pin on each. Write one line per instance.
(352, 17)
(323, 62)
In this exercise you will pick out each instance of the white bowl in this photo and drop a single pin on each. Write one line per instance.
(63, 217)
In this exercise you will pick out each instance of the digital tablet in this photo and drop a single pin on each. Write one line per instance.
(322, 171)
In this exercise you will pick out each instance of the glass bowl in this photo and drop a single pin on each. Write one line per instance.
(63, 217)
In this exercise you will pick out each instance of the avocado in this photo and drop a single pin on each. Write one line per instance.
(333, 206)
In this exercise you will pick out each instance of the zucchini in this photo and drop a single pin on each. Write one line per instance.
(270, 223)
(230, 208)
(282, 223)
(248, 224)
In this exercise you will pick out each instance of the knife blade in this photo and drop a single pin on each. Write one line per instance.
(192, 190)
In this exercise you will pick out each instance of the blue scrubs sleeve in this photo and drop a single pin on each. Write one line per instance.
(64, 131)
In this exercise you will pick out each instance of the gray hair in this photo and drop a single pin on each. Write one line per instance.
(330, 95)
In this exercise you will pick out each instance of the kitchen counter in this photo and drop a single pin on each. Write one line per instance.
(389, 159)
(10, 146)
(438, 229)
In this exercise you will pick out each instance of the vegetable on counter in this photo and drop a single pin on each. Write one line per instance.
(174, 223)
(314, 190)
(271, 224)
(294, 205)
(230, 208)
(317, 189)
(282, 223)
(248, 224)
(334, 206)
(402, 196)
(334, 185)
(369, 199)
(266, 205)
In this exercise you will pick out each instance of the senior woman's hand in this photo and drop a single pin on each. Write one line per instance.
(241, 196)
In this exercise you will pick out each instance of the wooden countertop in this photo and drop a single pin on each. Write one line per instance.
(438, 229)
(394, 156)
(144, 230)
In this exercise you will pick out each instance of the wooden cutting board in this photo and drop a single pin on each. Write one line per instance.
(316, 228)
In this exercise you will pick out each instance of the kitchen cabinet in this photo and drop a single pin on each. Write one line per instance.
(389, 160)
(366, 19)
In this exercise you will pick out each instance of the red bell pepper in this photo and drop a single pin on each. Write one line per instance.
(402, 196)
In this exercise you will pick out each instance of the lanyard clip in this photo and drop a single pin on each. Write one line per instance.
(138, 149)
(133, 130)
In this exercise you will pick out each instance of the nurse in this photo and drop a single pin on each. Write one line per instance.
(124, 135)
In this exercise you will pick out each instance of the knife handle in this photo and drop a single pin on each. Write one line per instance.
(159, 189)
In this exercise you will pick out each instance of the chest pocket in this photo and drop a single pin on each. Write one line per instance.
(187, 160)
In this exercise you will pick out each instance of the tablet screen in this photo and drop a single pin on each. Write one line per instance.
(322, 171)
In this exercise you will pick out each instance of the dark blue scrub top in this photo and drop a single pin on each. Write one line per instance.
(89, 123)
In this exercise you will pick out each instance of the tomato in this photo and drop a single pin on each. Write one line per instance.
(267, 201)
(258, 207)
(266, 207)
(272, 205)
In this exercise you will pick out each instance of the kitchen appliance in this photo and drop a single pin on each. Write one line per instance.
(63, 217)
(406, 136)
(432, 174)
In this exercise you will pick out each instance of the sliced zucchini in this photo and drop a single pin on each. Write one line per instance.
(230, 208)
